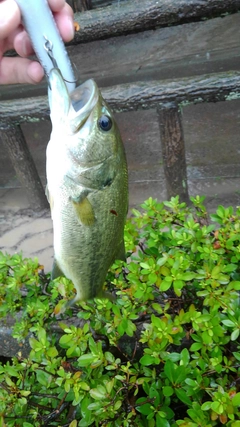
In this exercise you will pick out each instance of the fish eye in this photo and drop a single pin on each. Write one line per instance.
(105, 123)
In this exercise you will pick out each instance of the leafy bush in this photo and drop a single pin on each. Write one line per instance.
(165, 353)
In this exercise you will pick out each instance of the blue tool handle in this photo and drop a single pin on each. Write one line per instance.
(46, 40)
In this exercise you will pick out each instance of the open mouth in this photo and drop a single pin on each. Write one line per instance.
(77, 105)
(84, 96)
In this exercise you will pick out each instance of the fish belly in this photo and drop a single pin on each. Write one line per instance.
(84, 253)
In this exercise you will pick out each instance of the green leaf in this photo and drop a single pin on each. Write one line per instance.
(229, 268)
(109, 357)
(235, 285)
(217, 407)
(43, 378)
(185, 357)
(73, 351)
(190, 382)
(182, 395)
(179, 374)
(177, 286)
(215, 272)
(65, 339)
(145, 409)
(12, 372)
(117, 405)
(236, 355)
(131, 328)
(236, 400)
(161, 261)
(167, 391)
(52, 352)
(147, 360)
(221, 211)
(169, 370)
(25, 393)
(228, 323)
(42, 336)
(9, 381)
(206, 406)
(161, 422)
(196, 346)
(165, 271)
(86, 359)
(98, 393)
(145, 265)
(152, 278)
(84, 386)
(165, 285)
(157, 307)
(122, 327)
(35, 345)
(109, 385)
(174, 357)
(223, 279)
(94, 406)
(235, 334)
(154, 394)
(187, 276)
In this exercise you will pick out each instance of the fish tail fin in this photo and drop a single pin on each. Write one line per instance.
(56, 270)
(61, 308)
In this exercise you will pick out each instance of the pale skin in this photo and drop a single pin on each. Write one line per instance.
(13, 36)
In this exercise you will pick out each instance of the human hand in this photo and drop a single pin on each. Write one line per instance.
(13, 36)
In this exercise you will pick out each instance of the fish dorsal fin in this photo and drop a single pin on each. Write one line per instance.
(84, 210)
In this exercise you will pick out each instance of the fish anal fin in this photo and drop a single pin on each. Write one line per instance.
(56, 270)
(84, 210)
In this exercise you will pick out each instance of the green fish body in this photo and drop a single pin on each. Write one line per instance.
(87, 186)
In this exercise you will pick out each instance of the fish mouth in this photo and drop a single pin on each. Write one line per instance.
(74, 107)
(84, 96)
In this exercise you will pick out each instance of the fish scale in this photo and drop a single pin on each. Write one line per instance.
(87, 186)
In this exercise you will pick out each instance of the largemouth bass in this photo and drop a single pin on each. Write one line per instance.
(87, 186)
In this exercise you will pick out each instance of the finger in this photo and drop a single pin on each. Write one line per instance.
(20, 70)
(64, 20)
(56, 5)
(10, 17)
(22, 44)
(21, 41)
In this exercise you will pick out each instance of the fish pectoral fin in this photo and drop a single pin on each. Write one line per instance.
(84, 210)
(56, 270)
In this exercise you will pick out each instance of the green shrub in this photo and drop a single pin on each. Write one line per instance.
(165, 352)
